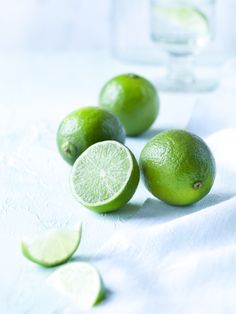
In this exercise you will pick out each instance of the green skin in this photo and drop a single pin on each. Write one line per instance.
(177, 167)
(102, 294)
(133, 99)
(85, 127)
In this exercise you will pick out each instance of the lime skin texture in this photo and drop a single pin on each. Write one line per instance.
(177, 167)
(133, 99)
(84, 127)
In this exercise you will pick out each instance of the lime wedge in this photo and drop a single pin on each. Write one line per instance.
(53, 248)
(188, 19)
(79, 281)
(105, 176)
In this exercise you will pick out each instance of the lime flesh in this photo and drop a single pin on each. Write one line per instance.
(105, 176)
(53, 248)
(79, 281)
(189, 18)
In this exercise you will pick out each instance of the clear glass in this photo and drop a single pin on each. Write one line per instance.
(129, 32)
(182, 28)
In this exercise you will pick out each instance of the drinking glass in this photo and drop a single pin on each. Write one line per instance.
(183, 28)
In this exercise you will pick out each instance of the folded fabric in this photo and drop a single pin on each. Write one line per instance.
(170, 259)
(157, 259)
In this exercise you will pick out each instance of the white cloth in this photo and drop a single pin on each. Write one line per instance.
(153, 259)
(171, 260)
(181, 260)
(157, 258)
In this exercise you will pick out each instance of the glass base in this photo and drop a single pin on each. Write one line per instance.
(181, 75)
(179, 86)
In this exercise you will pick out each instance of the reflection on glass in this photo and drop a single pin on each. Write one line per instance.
(182, 28)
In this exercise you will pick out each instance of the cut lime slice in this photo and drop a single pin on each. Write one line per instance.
(189, 19)
(105, 176)
(79, 281)
(53, 248)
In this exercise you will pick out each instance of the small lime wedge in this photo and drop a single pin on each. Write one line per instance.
(53, 248)
(79, 281)
(189, 19)
(105, 176)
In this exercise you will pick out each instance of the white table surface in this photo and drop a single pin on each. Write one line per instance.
(36, 92)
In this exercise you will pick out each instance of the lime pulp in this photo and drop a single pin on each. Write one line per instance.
(79, 281)
(105, 176)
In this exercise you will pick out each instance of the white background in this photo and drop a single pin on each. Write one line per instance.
(53, 24)
(193, 255)
(62, 25)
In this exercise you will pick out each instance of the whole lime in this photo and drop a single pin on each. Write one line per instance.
(85, 127)
(133, 99)
(177, 167)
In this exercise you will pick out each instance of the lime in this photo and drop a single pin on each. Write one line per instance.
(84, 127)
(185, 18)
(177, 167)
(133, 99)
(53, 248)
(81, 282)
(105, 176)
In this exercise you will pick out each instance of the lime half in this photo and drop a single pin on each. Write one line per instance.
(53, 248)
(79, 281)
(105, 176)
(189, 19)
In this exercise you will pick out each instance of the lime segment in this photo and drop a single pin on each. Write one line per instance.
(189, 19)
(79, 281)
(52, 248)
(105, 176)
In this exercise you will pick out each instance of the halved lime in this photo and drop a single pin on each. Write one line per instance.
(79, 281)
(188, 18)
(105, 176)
(53, 248)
